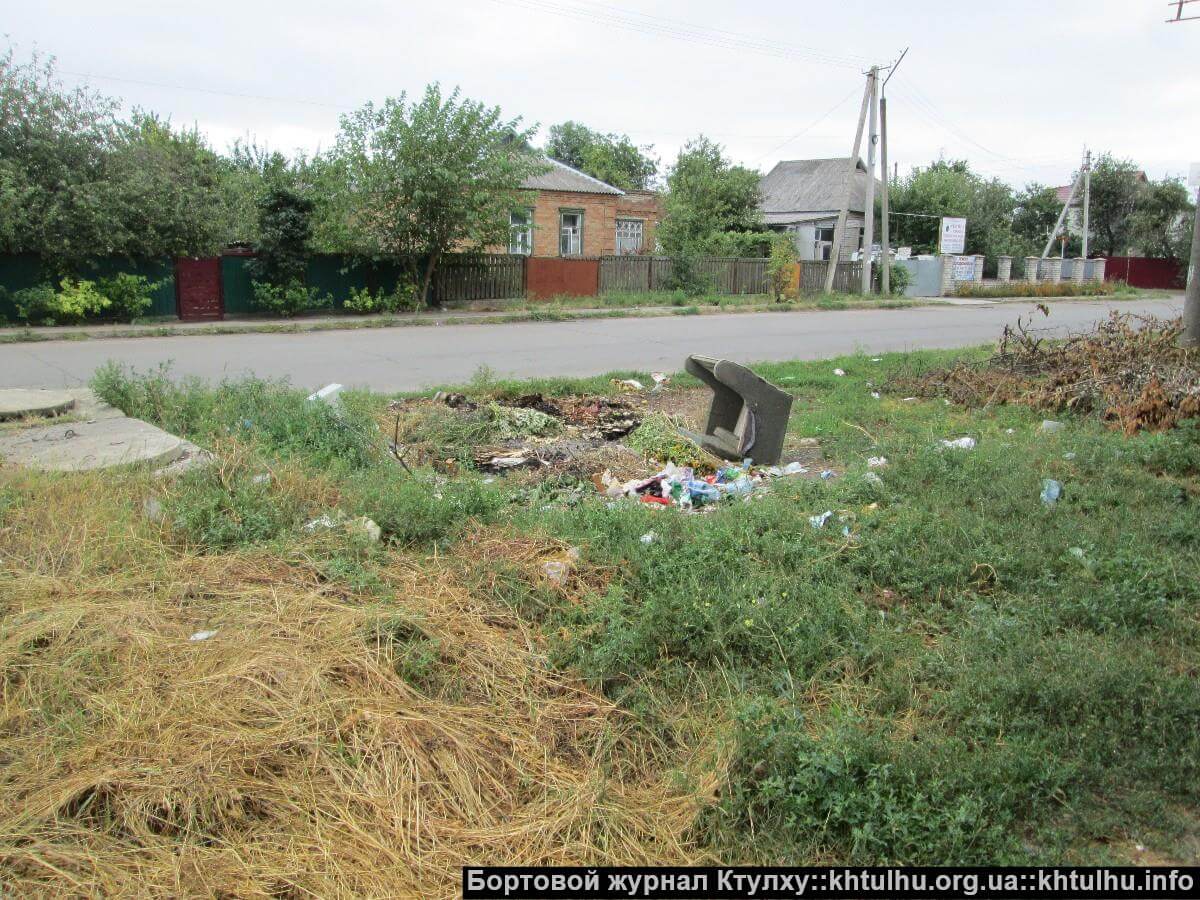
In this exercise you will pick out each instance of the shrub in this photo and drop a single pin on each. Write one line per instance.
(404, 298)
(130, 295)
(782, 265)
(901, 278)
(287, 300)
(35, 304)
(1037, 289)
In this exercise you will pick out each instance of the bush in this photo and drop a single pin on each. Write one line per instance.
(287, 300)
(1037, 289)
(901, 278)
(130, 295)
(782, 265)
(404, 298)
(34, 304)
(73, 302)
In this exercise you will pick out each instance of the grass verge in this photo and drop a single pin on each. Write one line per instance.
(949, 672)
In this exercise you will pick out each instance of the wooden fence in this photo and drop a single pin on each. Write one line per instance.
(489, 276)
(726, 274)
(846, 280)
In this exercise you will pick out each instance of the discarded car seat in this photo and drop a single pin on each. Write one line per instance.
(749, 415)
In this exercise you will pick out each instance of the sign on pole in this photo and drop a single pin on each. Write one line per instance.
(953, 237)
(1194, 176)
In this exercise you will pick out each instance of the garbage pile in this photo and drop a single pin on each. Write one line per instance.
(682, 487)
(1130, 370)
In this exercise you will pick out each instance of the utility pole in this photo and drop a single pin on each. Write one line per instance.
(869, 200)
(839, 229)
(1191, 300)
(1087, 197)
(1062, 215)
(884, 224)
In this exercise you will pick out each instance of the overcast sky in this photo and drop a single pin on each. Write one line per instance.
(1018, 88)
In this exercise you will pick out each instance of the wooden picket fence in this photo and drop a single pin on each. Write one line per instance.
(726, 274)
(846, 280)
(487, 276)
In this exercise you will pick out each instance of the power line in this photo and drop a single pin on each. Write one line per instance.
(681, 31)
(810, 126)
(200, 90)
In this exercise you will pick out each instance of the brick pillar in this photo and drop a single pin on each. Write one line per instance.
(978, 268)
(1098, 269)
(1079, 269)
(1031, 268)
(1051, 269)
(1004, 268)
(947, 274)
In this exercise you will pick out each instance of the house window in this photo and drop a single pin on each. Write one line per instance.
(570, 233)
(520, 232)
(823, 244)
(629, 236)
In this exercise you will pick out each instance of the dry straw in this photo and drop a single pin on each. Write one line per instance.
(286, 754)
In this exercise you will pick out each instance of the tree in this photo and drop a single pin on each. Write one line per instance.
(711, 205)
(1037, 209)
(285, 212)
(950, 188)
(164, 191)
(412, 181)
(1116, 186)
(613, 158)
(1161, 224)
(53, 198)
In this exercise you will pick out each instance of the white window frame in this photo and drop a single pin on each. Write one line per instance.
(628, 245)
(520, 232)
(572, 238)
(822, 248)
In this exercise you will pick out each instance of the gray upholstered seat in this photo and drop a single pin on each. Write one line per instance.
(748, 416)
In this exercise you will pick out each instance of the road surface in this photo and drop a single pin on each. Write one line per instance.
(402, 359)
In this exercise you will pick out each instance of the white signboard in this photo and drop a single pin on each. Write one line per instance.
(964, 268)
(1194, 176)
(954, 235)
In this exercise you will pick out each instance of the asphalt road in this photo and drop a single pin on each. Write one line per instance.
(396, 359)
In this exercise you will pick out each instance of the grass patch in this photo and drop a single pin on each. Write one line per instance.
(948, 672)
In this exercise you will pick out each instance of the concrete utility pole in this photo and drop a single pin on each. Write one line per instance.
(884, 224)
(869, 201)
(1191, 300)
(1062, 215)
(839, 229)
(1087, 197)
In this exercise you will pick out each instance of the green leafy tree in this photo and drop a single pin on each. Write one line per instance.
(1116, 187)
(1037, 209)
(285, 212)
(413, 181)
(613, 158)
(950, 188)
(164, 191)
(1162, 220)
(54, 199)
(711, 205)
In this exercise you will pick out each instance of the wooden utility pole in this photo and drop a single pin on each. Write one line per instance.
(839, 229)
(884, 225)
(1191, 300)
(869, 200)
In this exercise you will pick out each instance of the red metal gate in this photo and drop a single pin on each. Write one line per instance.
(198, 288)
(552, 276)
(1144, 272)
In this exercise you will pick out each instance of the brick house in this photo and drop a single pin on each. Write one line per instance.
(573, 214)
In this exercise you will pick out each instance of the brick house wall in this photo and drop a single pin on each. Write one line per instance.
(646, 206)
(599, 221)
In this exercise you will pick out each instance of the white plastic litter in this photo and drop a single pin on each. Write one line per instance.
(1049, 426)
(556, 570)
(839, 372)
(819, 521)
(794, 468)
(876, 462)
(661, 380)
(633, 383)
(203, 635)
(875, 394)
(962, 443)
(648, 538)
(872, 478)
(325, 521)
(329, 393)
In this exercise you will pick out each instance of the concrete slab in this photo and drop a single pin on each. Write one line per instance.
(82, 446)
(18, 403)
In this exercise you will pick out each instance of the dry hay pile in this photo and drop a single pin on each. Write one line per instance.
(1129, 369)
(320, 743)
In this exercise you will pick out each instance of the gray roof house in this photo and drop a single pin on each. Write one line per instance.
(803, 197)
